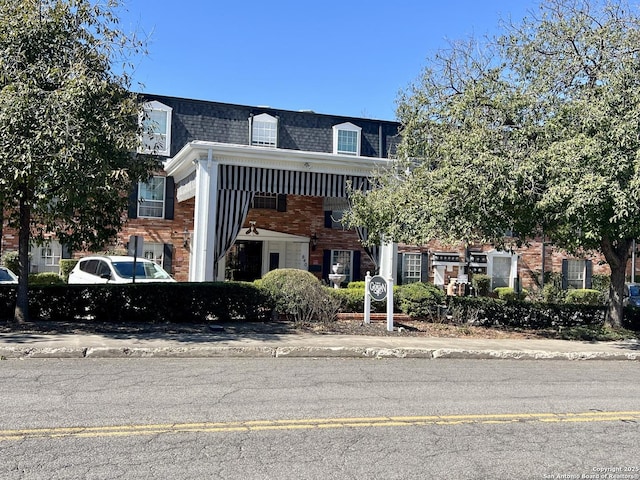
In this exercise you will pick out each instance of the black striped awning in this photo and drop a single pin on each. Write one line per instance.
(267, 180)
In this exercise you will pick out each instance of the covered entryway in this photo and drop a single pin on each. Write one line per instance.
(223, 178)
(249, 259)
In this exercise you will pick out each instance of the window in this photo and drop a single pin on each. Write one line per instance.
(346, 139)
(334, 209)
(411, 267)
(156, 129)
(264, 130)
(344, 258)
(265, 200)
(501, 275)
(46, 258)
(334, 219)
(154, 252)
(575, 273)
(151, 198)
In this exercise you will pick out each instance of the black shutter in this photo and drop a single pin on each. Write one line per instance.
(424, 267)
(281, 202)
(167, 257)
(326, 265)
(565, 273)
(66, 251)
(399, 267)
(133, 202)
(588, 274)
(169, 198)
(328, 221)
(355, 271)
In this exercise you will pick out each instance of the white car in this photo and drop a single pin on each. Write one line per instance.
(7, 276)
(117, 269)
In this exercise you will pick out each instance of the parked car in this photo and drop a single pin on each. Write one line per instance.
(631, 294)
(7, 276)
(117, 269)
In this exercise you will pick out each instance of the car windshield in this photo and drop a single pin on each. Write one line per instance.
(143, 270)
(634, 290)
(5, 276)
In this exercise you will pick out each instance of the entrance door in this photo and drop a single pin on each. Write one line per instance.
(244, 261)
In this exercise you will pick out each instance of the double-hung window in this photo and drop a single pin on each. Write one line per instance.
(156, 128)
(345, 259)
(501, 271)
(154, 252)
(264, 130)
(411, 267)
(151, 198)
(577, 273)
(46, 257)
(347, 139)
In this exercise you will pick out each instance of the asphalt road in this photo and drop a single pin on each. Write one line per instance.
(288, 418)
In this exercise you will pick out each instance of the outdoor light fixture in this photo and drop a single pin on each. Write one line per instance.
(252, 228)
(314, 241)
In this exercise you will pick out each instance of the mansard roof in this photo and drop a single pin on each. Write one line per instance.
(208, 121)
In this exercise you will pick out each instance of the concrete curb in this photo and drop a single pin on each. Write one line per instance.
(304, 352)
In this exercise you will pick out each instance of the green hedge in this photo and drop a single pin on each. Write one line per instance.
(143, 302)
(420, 300)
(529, 315)
(352, 300)
(584, 296)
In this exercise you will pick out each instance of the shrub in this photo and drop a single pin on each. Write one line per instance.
(551, 293)
(490, 312)
(10, 260)
(584, 296)
(66, 265)
(508, 293)
(148, 302)
(46, 278)
(300, 295)
(420, 300)
(482, 284)
(358, 284)
(352, 300)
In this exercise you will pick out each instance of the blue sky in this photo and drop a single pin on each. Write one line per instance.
(344, 57)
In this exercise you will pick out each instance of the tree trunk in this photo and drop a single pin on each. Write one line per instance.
(21, 314)
(617, 255)
(615, 310)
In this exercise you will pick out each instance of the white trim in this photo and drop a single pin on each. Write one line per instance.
(182, 165)
(491, 254)
(158, 107)
(267, 119)
(164, 199)
(347, 127)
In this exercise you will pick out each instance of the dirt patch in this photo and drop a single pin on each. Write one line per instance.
(412, 328)
(405, 327)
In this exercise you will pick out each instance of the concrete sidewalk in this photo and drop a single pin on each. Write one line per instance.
(221, 344)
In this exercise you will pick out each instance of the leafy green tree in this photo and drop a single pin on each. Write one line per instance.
(68, 124)
(535, 130)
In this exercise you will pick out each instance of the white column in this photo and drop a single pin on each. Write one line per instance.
(389, 260)
(202, 259)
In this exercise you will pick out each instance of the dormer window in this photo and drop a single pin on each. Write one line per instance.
(156, 129)
(346, 139)
(264, 130)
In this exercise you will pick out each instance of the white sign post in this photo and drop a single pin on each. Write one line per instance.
(367, 299)
(378, 288)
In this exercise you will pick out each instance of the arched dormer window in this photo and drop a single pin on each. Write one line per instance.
(346, 139)
(264, 130)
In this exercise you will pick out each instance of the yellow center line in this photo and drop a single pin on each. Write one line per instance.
(315, 423)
